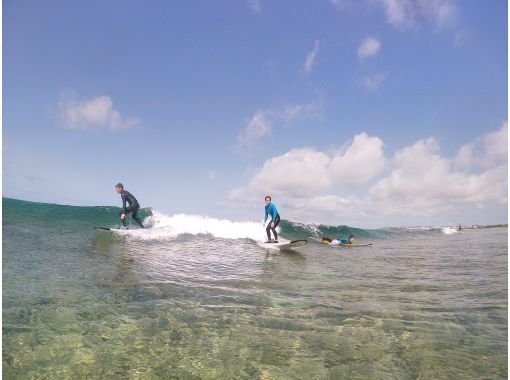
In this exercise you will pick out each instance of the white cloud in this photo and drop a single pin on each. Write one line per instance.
(92, 114)
(369, 48)
(373, 82)
(296, 173)
(487, 151)
(408, 14)
(440, 12)
(416, 184)
(399, 13)
(261, 123)
(495, 146)
(310, 58)
(359, 162)
(302, 172)
(404, 14)
(258, 127)
(300, 111)
(418, 169)
(422, 177)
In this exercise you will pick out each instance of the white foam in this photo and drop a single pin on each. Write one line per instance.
(161, 226)
(449, 230)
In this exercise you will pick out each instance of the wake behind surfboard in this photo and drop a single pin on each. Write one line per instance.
(283, 244)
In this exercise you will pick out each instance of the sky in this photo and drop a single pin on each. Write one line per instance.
(368, 113)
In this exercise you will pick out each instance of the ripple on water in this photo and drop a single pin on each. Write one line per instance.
(200, 307)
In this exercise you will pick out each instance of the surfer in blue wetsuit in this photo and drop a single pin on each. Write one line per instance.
(275, 220)
(133, 205)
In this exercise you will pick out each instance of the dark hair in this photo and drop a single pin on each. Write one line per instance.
(267, 196)
(351, 236)
(119, 185)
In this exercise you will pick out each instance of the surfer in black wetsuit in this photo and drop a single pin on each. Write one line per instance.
(133, 205)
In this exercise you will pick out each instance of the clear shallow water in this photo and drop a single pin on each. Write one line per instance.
(81, 304)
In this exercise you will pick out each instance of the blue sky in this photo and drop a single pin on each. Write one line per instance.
(367, 113)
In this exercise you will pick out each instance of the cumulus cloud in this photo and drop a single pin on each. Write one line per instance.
(485, 151)
(359, 162)
(92, 114)
(369, 48)
(417, 182)
(419, 170)
(297, 173)
(422, 176)
(306, 171)
(261, 123)
(310, 58)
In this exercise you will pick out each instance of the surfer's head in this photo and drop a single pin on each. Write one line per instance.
(267, 199)
(119, 187)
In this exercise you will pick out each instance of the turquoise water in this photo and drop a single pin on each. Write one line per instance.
(427, 304)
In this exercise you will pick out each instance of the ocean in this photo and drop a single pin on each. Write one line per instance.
(195, 297)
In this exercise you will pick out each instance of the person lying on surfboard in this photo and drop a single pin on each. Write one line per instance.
(275, 220)
(133, 207)
(343, 240)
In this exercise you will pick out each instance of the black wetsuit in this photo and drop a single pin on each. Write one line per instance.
(133, 207)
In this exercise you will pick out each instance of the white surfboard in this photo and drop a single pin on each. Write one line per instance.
(283, 244)
(108, 229)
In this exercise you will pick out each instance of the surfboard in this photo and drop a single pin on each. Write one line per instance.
(284, 244)
(327, 241)
(103, 229)
(108, 229)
